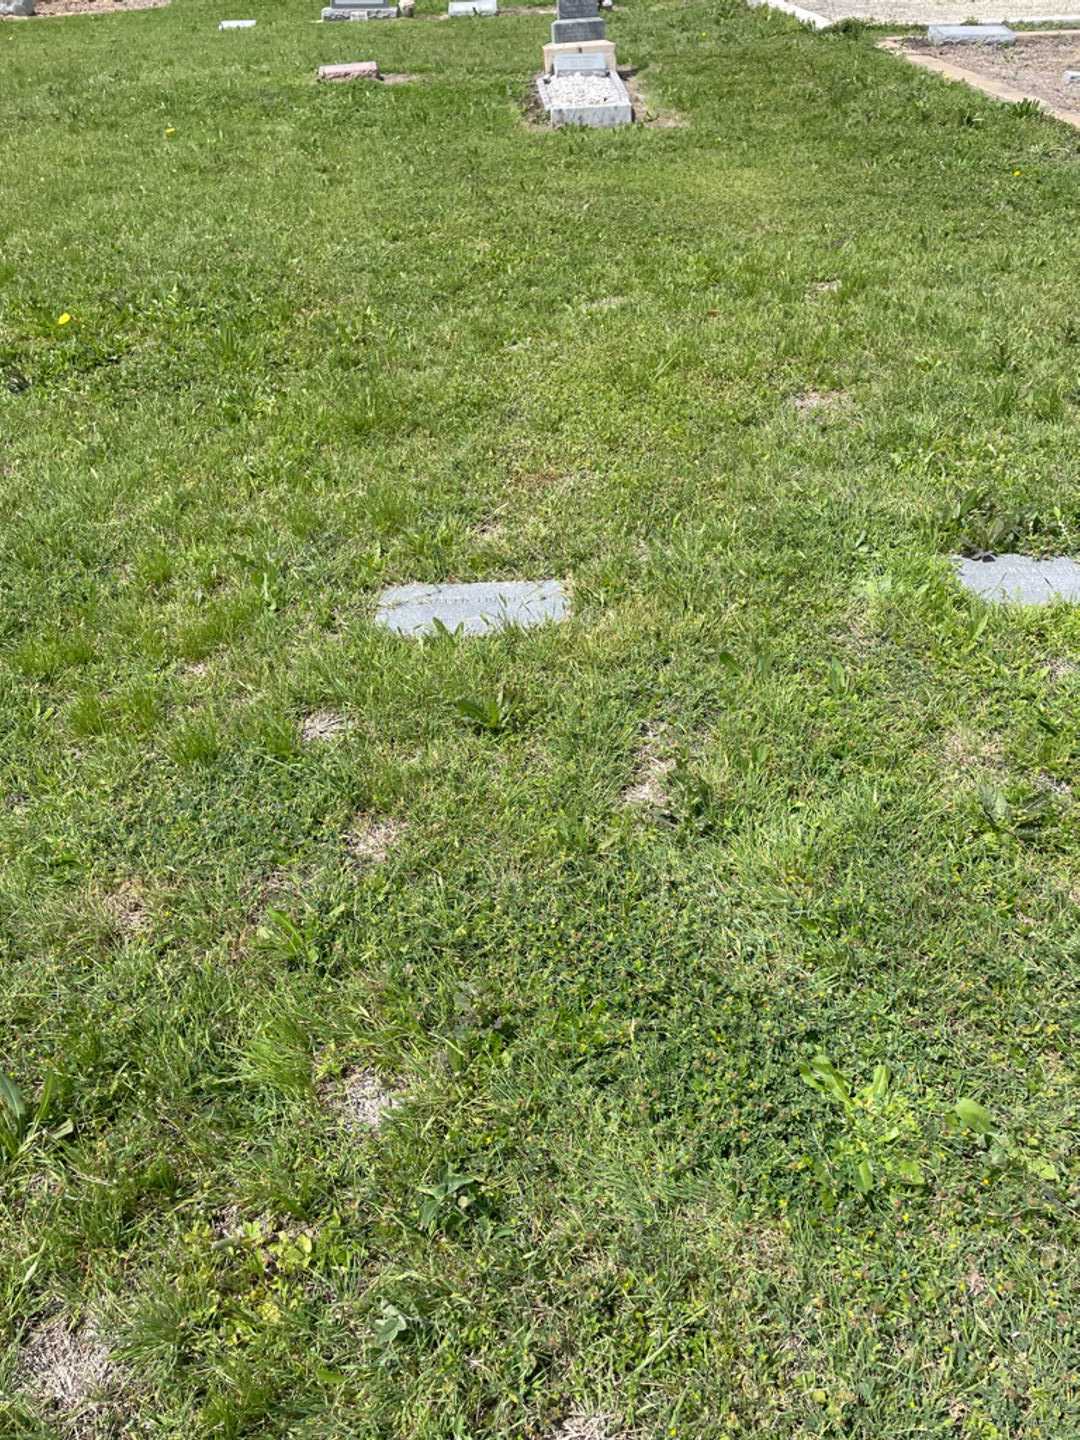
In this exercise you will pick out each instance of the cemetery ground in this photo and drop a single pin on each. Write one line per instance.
(422, 1038)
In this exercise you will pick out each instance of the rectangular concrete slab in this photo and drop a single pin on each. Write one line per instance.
(475, 609)
(578, 64)
(457, 9)
(386, 13)
(574, 31)
(970, 35)
(584, 47)
(1020, 579)
(235, 24)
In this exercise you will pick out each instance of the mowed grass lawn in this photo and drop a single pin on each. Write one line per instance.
(778, 790)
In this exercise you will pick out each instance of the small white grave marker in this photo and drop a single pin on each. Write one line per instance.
(970, 35)
(236, 24)
(475, 609)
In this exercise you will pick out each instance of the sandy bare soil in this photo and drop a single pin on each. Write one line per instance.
(929, 12)
(1034, 67)
(47, 8)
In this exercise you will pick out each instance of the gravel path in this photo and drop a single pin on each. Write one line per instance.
(927, 12)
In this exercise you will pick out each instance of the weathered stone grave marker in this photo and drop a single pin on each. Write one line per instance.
(459, 9)
(236, 24)
(360, 10)
(471, 609)
(1020, 579)
(970, 35)
(361, 70)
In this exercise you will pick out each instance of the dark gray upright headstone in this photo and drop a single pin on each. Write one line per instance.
(575, 31)
(578, 9)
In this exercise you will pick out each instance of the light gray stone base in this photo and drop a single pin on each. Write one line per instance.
(584, 47)
(463, 9)
(599, 101)
(1020, 579)
(387, 12)
(970, 35)
(236, 24)
(475, 609)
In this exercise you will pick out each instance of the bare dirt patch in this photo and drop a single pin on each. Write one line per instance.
(1034, 68)
(322, 725)
(126, 910)
(361, 1101)
(965, 752)
(648, 791)
(372, 837)
(581, 1425)
(52, 9)
(63, 1367)
(646, 111)
(808, 401)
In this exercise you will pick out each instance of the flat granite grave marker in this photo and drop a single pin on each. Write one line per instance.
(581, 63)
(577, 9)
(235, 24)
(970, 35)
(459, 9)
(564, 31)
(360, 10)
(474, 609)
(1020, 579)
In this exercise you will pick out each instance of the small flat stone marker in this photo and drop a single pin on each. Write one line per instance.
(236, 24)
(582, 63)
(362, 70)
(463, 8)
(577, 9)
(1020, 579)
(970, 35)
(1072, 77)
(359, 11)
(476, 609)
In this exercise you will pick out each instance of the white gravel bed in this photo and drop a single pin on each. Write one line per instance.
(572, 91)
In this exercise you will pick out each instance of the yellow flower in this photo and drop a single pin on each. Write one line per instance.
(171, 130)
(65, 319)
(1018, 172)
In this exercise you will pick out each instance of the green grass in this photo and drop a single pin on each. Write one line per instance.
(329, 338)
